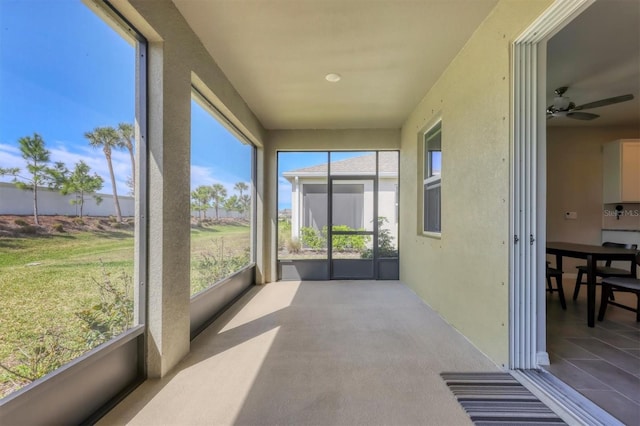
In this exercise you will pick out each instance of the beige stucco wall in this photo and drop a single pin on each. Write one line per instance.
(310, 140)
(574, 183)
(176, 60)
(464, 274)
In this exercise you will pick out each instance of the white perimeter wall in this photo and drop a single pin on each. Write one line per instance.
(20, 202)
(16, 201)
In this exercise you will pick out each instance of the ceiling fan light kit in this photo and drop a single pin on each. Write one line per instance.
(563, 107)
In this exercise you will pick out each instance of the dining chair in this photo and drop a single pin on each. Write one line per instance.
(603, 271)
(620, 284)
(557, 274)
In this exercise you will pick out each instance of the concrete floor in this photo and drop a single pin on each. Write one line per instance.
(602, 363)
(314, 353)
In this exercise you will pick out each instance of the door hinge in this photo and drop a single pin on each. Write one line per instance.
(515, 239)
(531, 239)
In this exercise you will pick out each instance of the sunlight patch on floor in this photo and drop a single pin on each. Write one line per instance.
(271, 301)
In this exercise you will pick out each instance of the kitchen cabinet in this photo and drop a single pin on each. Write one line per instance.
(621, 171)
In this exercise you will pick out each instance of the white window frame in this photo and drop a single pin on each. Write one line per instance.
(430, 180)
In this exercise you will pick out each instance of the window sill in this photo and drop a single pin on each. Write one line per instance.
(434, 235)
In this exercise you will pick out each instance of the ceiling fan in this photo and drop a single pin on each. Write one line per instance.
(563, 107)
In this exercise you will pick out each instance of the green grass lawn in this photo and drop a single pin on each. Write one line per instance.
(45, 280)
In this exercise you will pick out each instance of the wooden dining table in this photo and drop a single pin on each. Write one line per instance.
(592, 254)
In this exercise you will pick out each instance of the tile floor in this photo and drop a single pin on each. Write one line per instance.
(602, 363)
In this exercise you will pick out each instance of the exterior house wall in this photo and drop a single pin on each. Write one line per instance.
(297, 203)
(386, 203)
(16, 201)
(464, 274)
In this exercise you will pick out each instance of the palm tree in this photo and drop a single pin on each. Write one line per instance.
(107, 138)
(201, 197)
(240, 187)
(218, 195)
(127, 135)
(242, 199)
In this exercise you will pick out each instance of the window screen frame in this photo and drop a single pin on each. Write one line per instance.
(431, 138)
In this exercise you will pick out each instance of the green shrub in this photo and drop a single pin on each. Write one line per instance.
(310, 238)
(284, 233)
(113, 314)
(78, 221)
(216, 264)
(50, 352)
(315, 240)
(58, 227)
(294, 246)
(29, 229)
(55, 347)
(385, 242)
(20, 222)
(347, 242)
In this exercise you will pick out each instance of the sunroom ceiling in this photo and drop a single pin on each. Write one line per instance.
(388, 52)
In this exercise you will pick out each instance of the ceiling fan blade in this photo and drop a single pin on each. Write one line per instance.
(582, 115)
(605, 102)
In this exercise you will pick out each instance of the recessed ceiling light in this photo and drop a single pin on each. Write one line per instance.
(332, 77)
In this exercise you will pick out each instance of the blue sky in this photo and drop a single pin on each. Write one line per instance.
(64, 71)
(216, 155)
(290, 161)
(296, 160)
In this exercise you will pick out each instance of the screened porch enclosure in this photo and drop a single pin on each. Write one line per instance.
(338, 215)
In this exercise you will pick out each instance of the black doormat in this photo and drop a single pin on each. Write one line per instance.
(498, 399)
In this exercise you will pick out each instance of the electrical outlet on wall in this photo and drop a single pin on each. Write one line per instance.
(571, 215)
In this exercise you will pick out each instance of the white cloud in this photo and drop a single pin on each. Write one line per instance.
(203, 175)
(96, 160)
(9, 149)
(9, 157)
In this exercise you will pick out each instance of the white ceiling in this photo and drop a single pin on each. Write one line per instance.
(389, 53)
(597, 56)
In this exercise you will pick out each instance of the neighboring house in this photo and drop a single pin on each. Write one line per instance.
(352, 198)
